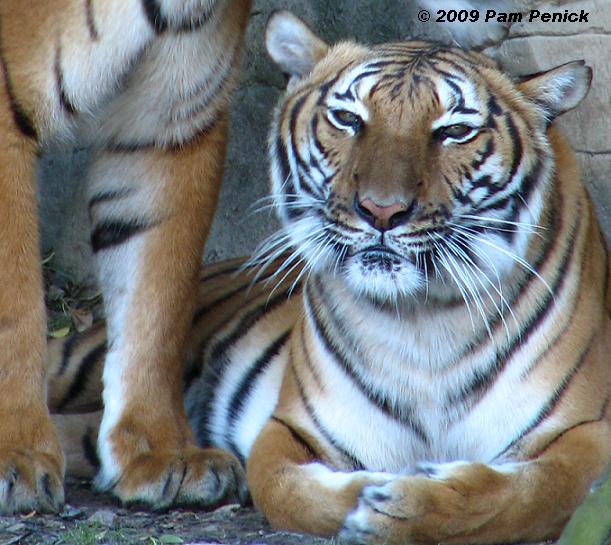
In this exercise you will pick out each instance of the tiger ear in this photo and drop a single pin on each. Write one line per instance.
(560, 89)
(292, 45)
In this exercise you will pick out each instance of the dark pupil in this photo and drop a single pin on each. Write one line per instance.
(456, 130)
(346, 117)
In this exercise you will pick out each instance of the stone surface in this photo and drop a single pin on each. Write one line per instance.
(529, 47)
(533, 47)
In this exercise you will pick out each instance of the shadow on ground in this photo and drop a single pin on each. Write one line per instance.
(89, 518)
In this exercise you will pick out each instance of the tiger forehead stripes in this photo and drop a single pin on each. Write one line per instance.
(453, 148)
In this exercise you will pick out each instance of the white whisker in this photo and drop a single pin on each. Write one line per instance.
(474, 235)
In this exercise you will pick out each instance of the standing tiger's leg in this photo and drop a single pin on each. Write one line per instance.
(477, 503)
(31, 461)
(151, 210)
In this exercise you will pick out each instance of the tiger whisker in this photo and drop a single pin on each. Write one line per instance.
(494, 229)
(310, 264)
(468, 281)
(303, 245)
(472, 266)
(499, 289)
(443, 262)
(498, 220)
(473, 235)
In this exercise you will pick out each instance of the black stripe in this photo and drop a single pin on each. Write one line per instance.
(65, 102)
(91, 26)
(383, 64)
(554, 227)
(518, 151)
(193, 371)
(130, 147)
(403, 414)
(354, 462)
(307, 360)
(551, 403)
(246, 384)
(83, 374)
(191, 24)
(233, 269)
(21, 119)
(218, 361)
(454, 86)
(574, 426)
(324, 89)
(106, 196)
(298, 438)
(112, 233)
(488, 150)
(89, 448)
(482, 380)
(201, 312)
(282, 155)
(153, 14)
(295, 111)
(67, 353)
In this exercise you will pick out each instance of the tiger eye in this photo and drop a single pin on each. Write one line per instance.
(347, 118)
(456, 131)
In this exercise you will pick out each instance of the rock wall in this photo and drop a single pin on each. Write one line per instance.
(526, 48)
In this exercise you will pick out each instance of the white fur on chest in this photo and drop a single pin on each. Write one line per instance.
(420, 361)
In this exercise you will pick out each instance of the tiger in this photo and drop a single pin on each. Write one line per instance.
(420, 354)
(146, 84)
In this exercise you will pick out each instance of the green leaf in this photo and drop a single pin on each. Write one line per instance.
(59, 333)
(170, 539)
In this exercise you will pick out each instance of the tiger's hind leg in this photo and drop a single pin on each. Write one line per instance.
(478, 503)
(31, 461)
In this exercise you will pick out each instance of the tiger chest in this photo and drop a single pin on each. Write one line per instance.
(398, 417)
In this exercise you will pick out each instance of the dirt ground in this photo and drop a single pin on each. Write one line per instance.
(89, 518)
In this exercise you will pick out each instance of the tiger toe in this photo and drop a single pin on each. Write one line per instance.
(190, 476)
(30, 481)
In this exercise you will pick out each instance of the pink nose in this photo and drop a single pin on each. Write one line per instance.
(381, 217)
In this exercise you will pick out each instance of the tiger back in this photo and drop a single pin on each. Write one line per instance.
(439, 328)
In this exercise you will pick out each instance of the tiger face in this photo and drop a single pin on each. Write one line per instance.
(411, 168)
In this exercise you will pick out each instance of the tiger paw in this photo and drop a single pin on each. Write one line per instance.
(376, 518)
(189, 476)
(31, 467)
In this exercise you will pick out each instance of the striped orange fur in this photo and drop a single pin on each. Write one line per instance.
(420, 354)
(147, 84)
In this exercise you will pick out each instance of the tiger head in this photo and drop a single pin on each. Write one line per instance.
(410, 166)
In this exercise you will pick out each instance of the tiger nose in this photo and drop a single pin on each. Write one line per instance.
(382, 217)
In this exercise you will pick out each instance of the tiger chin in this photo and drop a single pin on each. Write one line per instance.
(421, 353)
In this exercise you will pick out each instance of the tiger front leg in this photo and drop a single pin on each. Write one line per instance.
(295, 490)
(462, 502)
(151, 211)
(31, 460)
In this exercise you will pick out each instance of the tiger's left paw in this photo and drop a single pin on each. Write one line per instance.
(376, 516)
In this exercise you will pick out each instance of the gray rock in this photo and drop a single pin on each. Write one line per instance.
(104, 517)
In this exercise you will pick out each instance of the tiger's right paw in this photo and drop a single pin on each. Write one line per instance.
(206, 477)
(31, 467)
